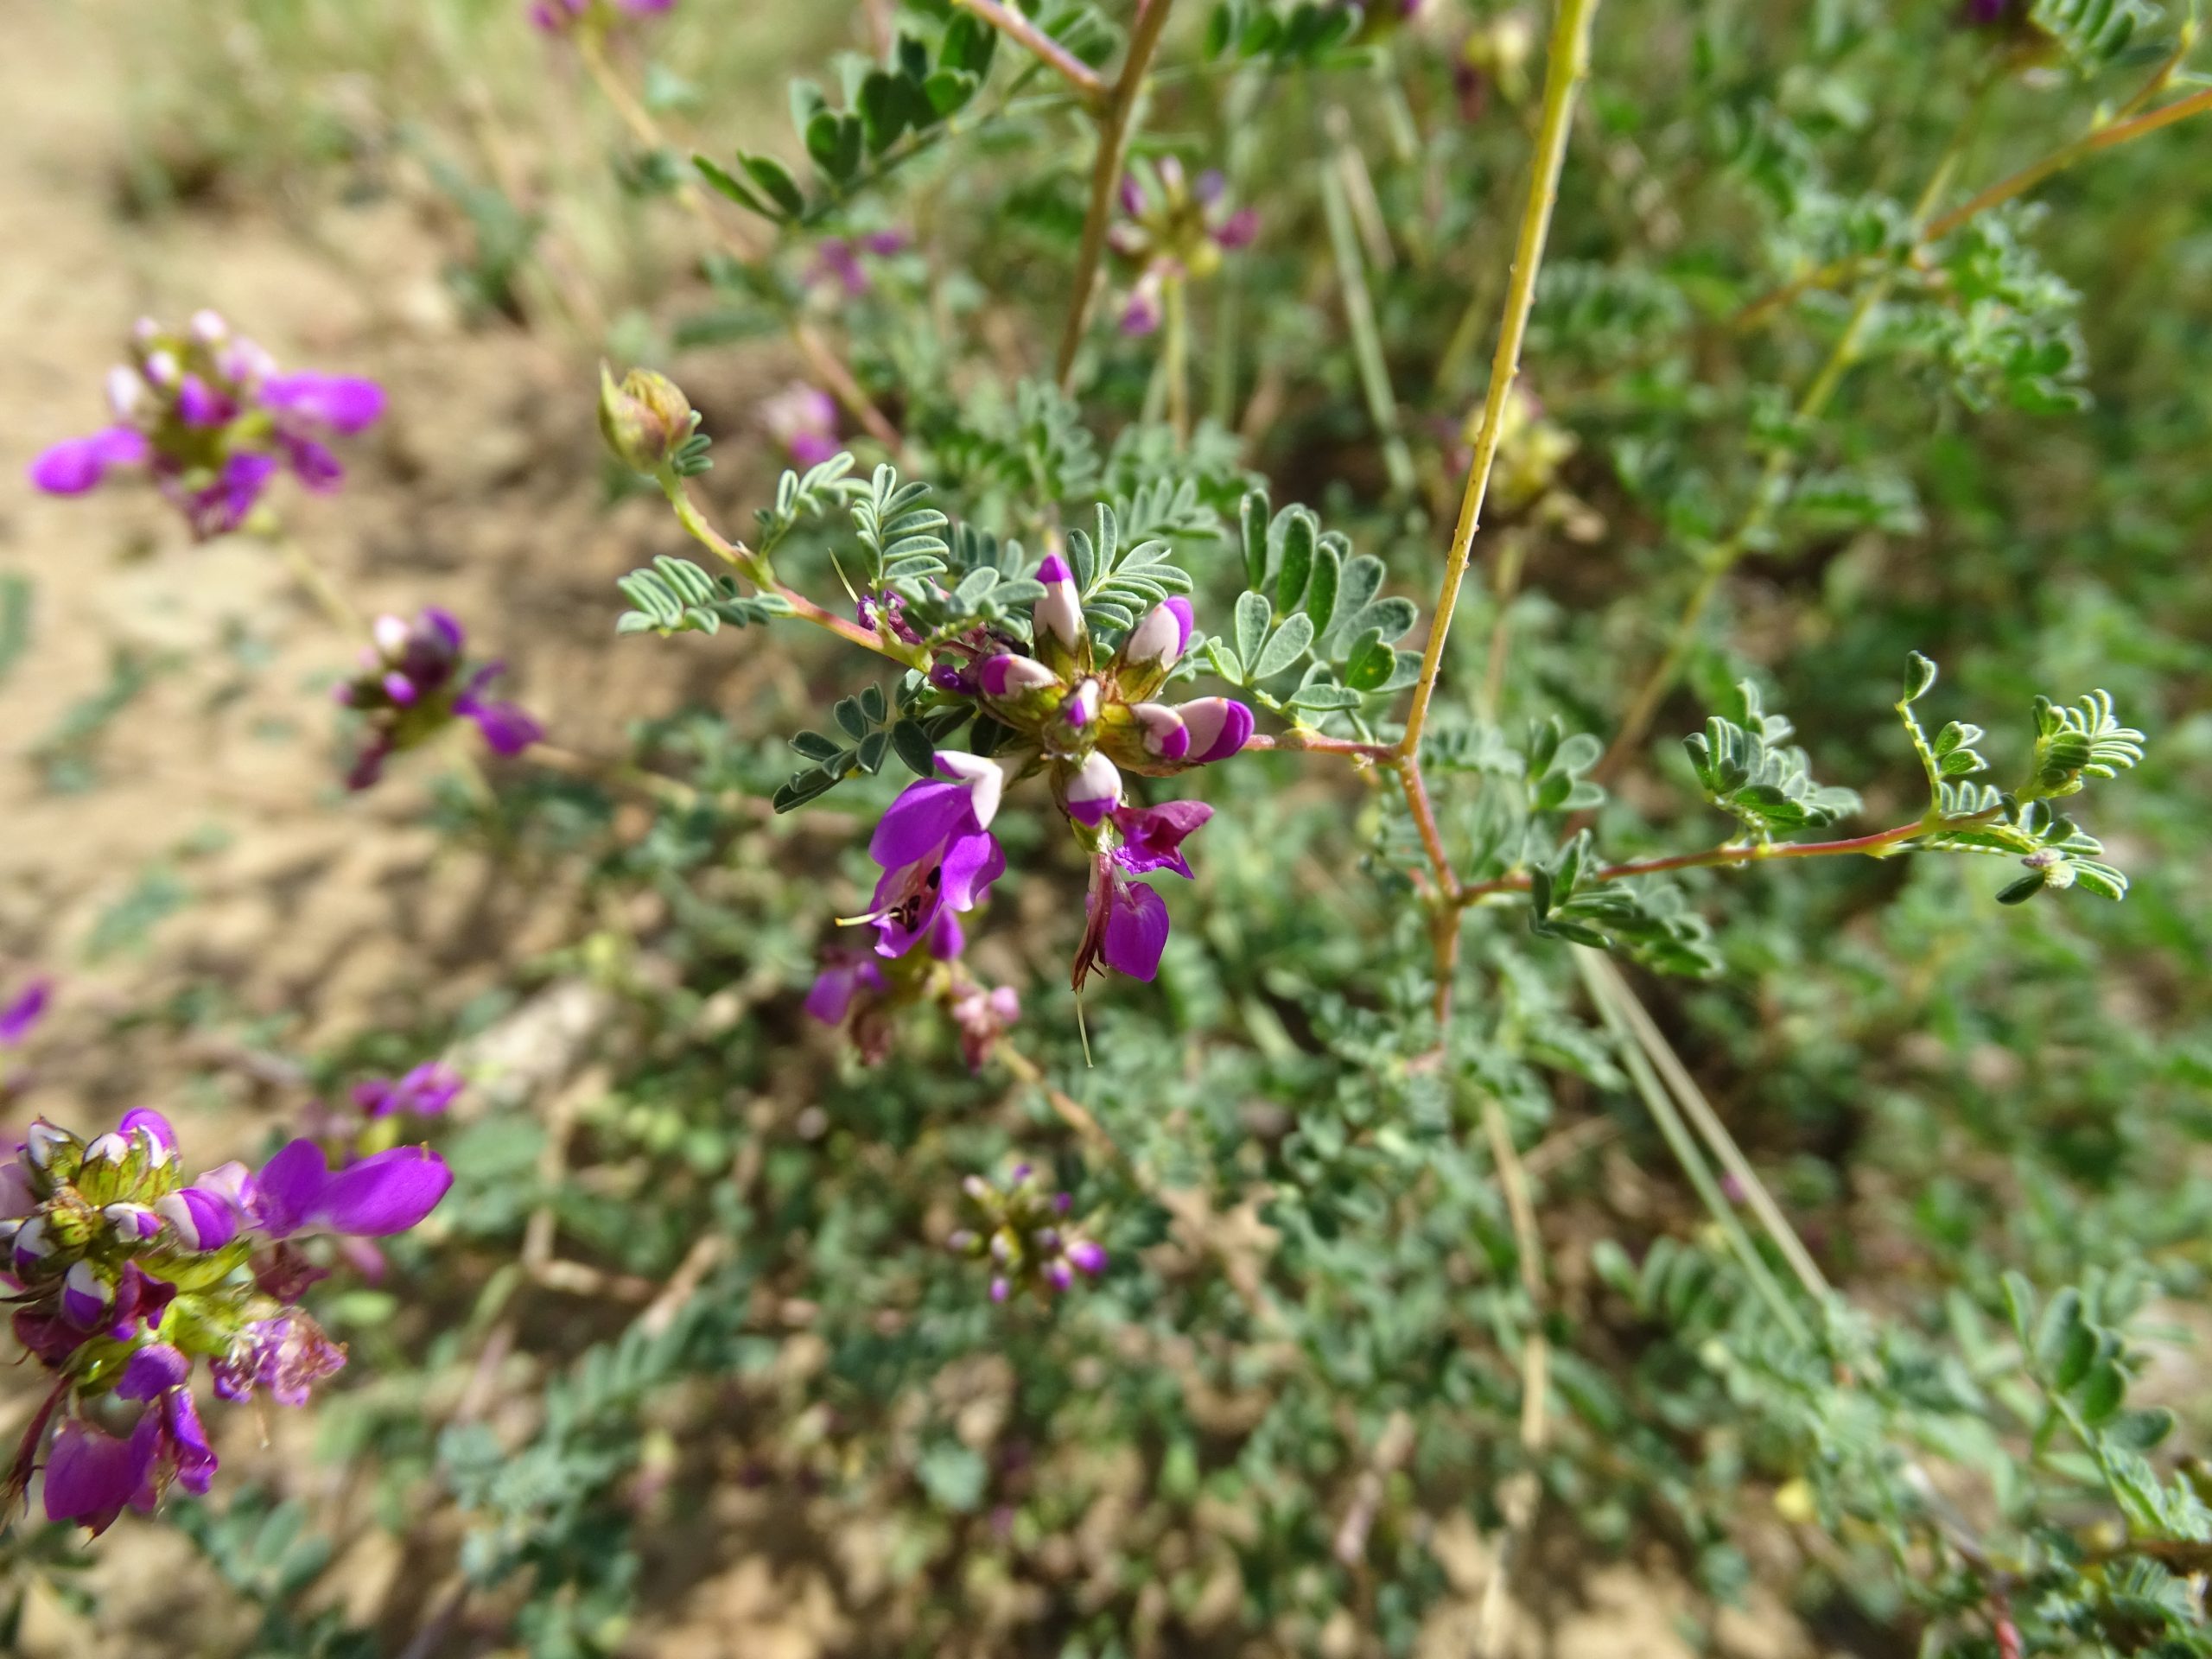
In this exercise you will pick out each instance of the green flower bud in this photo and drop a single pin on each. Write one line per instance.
(645, 420)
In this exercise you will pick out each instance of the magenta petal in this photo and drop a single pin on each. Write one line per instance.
(385, 1194)
(155, 1368)
(1242, 227)
(831, 996)
(91, 1475)
(28, 1007)
(947, 938)
(920, 822)
(1137, 931)
(1235, 729)
(75, 466)
(342, 402)
(971, 864)
(312, 463)
(508, 728)
(156, 1126)
(289, 1187)
(203, 1220)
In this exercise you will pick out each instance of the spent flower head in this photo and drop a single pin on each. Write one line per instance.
(1021, 1228)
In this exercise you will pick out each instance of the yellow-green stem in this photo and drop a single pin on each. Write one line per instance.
(1568, 67)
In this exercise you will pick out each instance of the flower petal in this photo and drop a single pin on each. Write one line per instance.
(925, 815)
(1137, 931)
(75, 465)
(384, 1195)
(342, 402)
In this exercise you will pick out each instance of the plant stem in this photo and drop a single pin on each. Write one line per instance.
(1684, 1147)
(1317, 743)
(1568, 65)
(756, 570)
(1715, 1133)
(1106, 176)
(1023, 33)
(2027, 178)
(1359, 319)
(1177, 349)
(1734, 853)
(320, 587)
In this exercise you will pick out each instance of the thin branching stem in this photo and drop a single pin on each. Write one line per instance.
(1114, 124)
(1079, 75)
(1568, 67)
(755, 569)
(1880, 844)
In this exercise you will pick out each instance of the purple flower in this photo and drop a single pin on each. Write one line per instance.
(208, 416)
(1093, 791)
(202, 1219)
(936, 849)
(845, 974)
(76, 465)
(344, 404)
(838, 258)
(1218, 727)
(91, 1476)
(1161, 638)
(410, 688)
(297, 1192)
(24, 1011)
(1056, 621)
(804, 419)
(287, 1354)
(982, 1015)
(1007, 676)
(424, 1092)
(1125, 925)
(1153, 836)
(1173, 230)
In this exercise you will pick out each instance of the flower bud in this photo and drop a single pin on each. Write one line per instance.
(1163, 635)
(152, 1131)
(1218, 727)
(31, 1246)
(645, 420)
(127, 392)
(1007, 676)
(85, 1295)
(1162, 730)
(209, 328)
(200, 1219)
(1090, 1257)
(1094, 791)
(55, 1150)
(1056, 621)
(133, 1223)
(1081, 709)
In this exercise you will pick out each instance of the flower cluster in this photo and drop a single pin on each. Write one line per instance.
(1025, 1234)
(1175, 229)
(562, 16)
(1083, 722)
(125, 1278)
(209, 417)
(412, 686)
